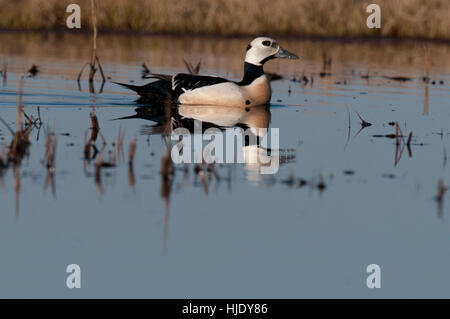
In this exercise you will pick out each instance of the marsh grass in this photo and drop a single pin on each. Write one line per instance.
(338, 18)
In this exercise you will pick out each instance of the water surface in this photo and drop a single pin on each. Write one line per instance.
(341, 200)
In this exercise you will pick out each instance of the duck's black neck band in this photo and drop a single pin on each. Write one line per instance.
(251, 72)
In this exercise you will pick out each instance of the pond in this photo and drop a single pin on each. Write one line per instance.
(345, 195)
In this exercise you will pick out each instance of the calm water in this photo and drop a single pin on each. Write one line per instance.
(225, 230)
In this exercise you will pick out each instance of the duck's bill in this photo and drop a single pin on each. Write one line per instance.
(285, 54)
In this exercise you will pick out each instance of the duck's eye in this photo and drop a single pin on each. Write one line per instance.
(266, 43)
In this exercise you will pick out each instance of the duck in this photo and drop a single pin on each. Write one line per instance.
(190, 89)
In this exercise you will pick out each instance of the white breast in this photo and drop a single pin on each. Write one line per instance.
(227, 94)
(259, 91)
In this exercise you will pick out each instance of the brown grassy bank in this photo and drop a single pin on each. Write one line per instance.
(324, 18)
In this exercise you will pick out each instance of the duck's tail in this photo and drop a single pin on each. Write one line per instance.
(153, 92)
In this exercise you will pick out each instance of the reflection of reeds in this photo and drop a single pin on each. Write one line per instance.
(97, 174)
(131, 178)
(398, 150)
(167, 174)
(408, 144)
(326, 64)
(16, 174)
(400, 143)
(21, 138)
(444, 162)
(88, 144)
(440, 196)
(3, 72)
(98, 154)
(50, 152)
(199, 170)
(118, 152)
(18, 148)
(131, 153)
(348, 127)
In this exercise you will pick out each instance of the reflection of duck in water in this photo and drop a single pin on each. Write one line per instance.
(253, 120)
(253, 90)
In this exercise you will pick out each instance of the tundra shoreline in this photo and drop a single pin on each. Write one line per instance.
(320, 18)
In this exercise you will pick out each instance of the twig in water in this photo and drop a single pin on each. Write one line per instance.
(191, 69)
(363, 123)
(408, 144)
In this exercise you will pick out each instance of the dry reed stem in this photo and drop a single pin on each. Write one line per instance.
(191, 69)
(94, 57)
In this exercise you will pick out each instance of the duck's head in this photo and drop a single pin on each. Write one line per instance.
(263, 49)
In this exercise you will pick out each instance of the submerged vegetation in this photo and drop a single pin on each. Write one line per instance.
(324, 18)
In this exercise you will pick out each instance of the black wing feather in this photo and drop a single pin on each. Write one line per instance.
(185, 81)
